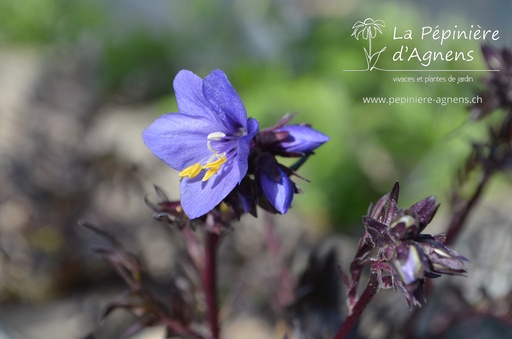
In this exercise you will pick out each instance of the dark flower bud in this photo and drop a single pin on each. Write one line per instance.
(404, 227)
(386, 208)
(443, 260)
(403, 251)
(425, 210)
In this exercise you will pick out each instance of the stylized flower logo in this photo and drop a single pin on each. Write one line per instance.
(368, 29)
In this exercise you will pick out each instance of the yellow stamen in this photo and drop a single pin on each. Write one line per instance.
(209, 173)
(216, 164)
(191, 171)
(213, 167)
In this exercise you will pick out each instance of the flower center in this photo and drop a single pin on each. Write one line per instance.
(213, 164)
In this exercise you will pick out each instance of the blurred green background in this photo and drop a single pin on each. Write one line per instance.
(284, 56)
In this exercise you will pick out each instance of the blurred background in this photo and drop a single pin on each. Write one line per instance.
(80, 80)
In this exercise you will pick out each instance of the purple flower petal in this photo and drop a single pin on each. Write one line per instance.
(179, 140)
(278, 192)
(188, 89)
(301, 138)
(224, 100)
(244, 146)
(199, 197)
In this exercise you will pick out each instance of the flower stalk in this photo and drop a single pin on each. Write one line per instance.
(361, 304)
(461, 214)
(210, 282)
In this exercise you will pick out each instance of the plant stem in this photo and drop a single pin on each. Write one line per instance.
(459, 217)
(356, 267)
(367, 296)
(210, 282)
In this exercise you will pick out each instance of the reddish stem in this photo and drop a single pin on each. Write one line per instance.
(210, 282)
(367, 296)
(460, 216)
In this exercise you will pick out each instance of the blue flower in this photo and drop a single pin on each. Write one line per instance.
(275, 183)
(274, 188)
(208, 140)
(300, 139)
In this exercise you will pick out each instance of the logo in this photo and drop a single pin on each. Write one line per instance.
(368, 30)
(410, 51)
